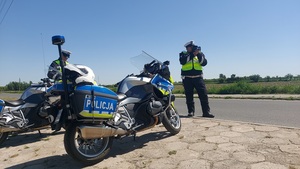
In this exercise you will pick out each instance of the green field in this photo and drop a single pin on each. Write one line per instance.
(242, 87)
(282, 87)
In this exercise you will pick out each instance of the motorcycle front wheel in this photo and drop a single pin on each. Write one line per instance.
(3, 137)
(172, 121)
(87, 151)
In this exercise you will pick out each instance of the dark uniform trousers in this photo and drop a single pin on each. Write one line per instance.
(197, 83)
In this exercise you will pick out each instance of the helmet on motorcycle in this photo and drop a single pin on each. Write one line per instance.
(66, 53)
(189, 44)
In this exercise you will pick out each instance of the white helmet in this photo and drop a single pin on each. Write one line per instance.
(85, 74)
(89, 75)
(190, 43)
(66, 53)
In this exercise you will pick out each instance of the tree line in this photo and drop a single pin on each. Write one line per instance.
(16, 86)
(21, 86)
(253, 78)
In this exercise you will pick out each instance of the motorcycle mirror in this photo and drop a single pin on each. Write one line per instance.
(58, 40)
(166, 62)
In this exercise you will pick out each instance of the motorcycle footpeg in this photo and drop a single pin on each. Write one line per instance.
(134, 128)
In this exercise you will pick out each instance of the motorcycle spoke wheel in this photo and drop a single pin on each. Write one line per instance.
(91, 147)
(87, 151)
(172, 121)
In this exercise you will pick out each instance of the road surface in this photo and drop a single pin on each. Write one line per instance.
(275, 112)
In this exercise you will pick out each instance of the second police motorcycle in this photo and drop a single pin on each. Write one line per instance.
(34, 110)
(95, 115)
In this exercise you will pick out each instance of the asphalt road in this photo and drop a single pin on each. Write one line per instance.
(275, 112)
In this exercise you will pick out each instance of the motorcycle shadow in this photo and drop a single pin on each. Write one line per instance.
(120, 146)
(26, 138)
(128, 144)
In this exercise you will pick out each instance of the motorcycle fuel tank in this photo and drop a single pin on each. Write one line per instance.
(58, 87)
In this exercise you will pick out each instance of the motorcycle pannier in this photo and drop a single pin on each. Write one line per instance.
(90, 101)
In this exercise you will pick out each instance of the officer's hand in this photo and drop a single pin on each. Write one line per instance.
(196, 52)
(199, 56)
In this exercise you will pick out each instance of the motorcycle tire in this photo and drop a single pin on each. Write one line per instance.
(86, 151)
(172, 121)
(3, 137)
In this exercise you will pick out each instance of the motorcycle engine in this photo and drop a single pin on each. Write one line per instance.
(122, 119)
(47, 110)
(154, 107)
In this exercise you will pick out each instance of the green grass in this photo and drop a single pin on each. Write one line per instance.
(242, 87)
(291, 87)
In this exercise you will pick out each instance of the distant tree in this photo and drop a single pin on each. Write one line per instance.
(254, 78)
(231, 79)
(267, 78)
(222, 78)
(289, 77)
(15, 86)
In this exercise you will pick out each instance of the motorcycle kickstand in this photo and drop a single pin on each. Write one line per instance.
(40, 133)
(134, 137)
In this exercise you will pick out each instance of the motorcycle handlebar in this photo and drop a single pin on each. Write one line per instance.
(46, 81)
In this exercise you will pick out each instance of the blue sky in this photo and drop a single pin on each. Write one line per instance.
(242, 37)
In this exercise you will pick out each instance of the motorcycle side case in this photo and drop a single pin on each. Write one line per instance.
(90, 101)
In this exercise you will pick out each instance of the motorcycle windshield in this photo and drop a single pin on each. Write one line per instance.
(142, 59)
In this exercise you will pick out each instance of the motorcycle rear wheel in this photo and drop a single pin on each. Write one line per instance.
(172, 121)
(3, 137)
(87, 151)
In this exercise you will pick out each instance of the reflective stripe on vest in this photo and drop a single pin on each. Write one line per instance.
(58, 62)
(192, 64)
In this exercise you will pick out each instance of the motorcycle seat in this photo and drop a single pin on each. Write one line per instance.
(14, 103)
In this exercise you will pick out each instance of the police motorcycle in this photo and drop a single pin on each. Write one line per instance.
(97, 115)
(33, 111)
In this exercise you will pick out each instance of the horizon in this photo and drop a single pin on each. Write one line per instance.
(272, 77)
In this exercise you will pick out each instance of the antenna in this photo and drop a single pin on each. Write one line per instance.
(43, 53)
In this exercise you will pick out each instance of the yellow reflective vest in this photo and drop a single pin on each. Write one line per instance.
(58, 62)
(192, 64)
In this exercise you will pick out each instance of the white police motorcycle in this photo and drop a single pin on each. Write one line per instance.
(96, 115)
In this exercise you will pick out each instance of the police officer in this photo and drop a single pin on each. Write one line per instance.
(54, 73)
(55, 69)
(192, 61)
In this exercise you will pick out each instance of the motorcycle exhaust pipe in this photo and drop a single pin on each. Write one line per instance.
(93, 132)
(8, 129)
